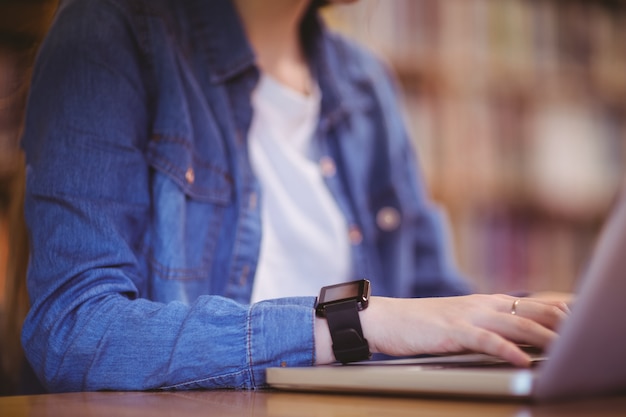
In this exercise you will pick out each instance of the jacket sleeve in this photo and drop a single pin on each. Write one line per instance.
(87, 207)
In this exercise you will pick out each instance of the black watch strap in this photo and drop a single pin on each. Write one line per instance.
(344, 324)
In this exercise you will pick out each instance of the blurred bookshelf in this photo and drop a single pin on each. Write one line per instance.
(23, 24)
(518, 112)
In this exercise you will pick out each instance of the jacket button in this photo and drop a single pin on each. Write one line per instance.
(253, 201)
(243, 277)
(388, 219)
(355, 235)
(190, 176)
(327, 166)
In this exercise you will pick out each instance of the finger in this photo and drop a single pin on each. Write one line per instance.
(548, 314)
(561, 305)
(481, 340)
(520, 330)
(505, 302)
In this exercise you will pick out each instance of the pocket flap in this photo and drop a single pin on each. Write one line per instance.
(200, 179)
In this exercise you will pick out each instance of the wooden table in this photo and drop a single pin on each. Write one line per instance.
(285, 404)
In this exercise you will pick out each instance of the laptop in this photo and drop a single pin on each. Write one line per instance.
(589, 357)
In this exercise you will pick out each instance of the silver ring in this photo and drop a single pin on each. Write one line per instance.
(514, 306)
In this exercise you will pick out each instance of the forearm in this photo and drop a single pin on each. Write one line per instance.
(114, 343)
(323, 343)
(480, 323)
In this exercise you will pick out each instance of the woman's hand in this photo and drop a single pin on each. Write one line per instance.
(477, 323)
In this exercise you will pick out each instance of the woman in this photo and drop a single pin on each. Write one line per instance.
(187, 158)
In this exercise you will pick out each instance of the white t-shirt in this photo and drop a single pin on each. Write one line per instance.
(304, 243)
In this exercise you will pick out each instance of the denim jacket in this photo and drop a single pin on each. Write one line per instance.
(143, 210)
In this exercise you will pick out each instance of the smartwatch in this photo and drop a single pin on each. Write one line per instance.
(340, 305)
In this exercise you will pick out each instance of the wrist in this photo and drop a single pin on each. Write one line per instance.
(371, 319)
(323, 343)
(339, 306)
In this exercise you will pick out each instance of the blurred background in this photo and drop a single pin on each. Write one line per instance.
(23, 24)
(517, 109)
(518, 113)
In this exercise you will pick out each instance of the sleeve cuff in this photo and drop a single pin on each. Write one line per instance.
(280, 334)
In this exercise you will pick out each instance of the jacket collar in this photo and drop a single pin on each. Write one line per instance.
(219, 32)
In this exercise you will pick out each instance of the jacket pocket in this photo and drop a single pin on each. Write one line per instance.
(189, 196)
(207, 181)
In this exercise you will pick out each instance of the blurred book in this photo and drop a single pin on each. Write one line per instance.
(517, 109)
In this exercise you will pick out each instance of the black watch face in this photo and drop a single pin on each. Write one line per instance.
(350, 290)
